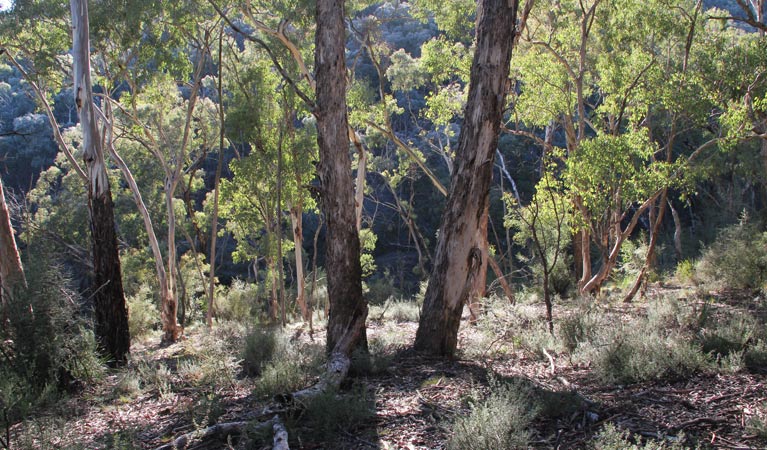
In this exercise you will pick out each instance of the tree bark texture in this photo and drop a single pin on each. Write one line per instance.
(11, 270)
(459, 257)
(348, 309)
(111, 314)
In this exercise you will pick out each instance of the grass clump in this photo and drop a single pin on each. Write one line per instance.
(397, 310)
(500, 420)
(287, 366)
(259, 349)
(331, 412)
(611, 438)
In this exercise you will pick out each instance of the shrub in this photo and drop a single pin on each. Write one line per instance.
(640, 352)
(295, 367)
(332, 411)
(580, 327)
(501, 420)
(736, 260)
(47, 345)
(757, 423)
(381, 290)
(142, 312)
(238, 301)
(756, 357)
(260, 346)
(611, 438)
(728, 335)
(685, 271)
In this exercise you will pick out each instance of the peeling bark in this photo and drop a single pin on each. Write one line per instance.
(11, 270)
(111, 313)
(458, 258)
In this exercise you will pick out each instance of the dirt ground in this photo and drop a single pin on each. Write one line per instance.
(416, 400)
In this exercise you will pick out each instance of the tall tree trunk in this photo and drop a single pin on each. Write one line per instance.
(296, 220)
(348, 310)
(154, 244)
(297, 224)
(11, 270)
(169, 309)
(111, 314)
(359, 188)
(677, 232)
(216, 183)
(458, 257)
(278, 216)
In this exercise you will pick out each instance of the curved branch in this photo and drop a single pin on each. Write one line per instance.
(48, 112)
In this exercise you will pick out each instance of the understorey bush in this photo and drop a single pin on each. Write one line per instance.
(499, 420)
(46, 342)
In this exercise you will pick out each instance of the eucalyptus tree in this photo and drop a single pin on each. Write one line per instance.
(543, 224)
(348, 309)
(111, 313)
(610, 75)
(275, 135)
(11, 269)
(164, 130)
(458, 256)
(170, 122)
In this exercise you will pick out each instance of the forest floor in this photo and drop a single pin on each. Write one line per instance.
(406, 401)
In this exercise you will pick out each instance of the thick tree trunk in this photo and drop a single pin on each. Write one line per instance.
(480, 282)
(111, 314)
(458, 258)
(348, 309)
(11, 270)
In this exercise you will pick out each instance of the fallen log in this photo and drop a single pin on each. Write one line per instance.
(280, 435)
(220, 431)
(338, 366)
(337, 369)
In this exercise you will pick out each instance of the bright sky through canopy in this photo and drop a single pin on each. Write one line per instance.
(5, 4)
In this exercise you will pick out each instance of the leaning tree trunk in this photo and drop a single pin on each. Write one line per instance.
(111, 314)
(348, 310)
(458, 257)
